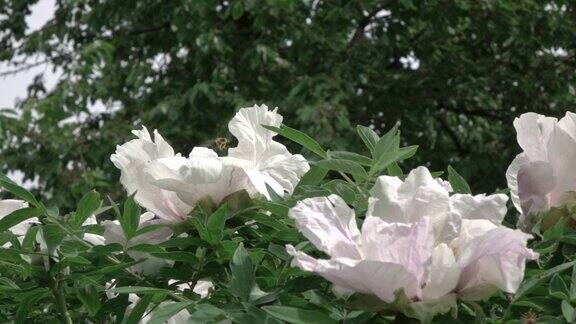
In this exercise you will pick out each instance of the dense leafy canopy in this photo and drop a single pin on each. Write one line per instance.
(453, 73)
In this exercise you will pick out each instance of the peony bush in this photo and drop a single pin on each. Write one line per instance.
(263, 235)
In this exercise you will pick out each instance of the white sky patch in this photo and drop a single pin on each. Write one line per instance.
(13, 87)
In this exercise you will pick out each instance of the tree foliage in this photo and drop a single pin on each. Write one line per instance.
(453, 73)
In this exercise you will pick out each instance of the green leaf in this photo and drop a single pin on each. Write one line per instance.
(298, 316)
(368, 136)
(137, 290)
(394, 170)
(558, 288)
(390, 157)
(139, 309)
(18, 216)
(164, 313)
(275, 208)
(459, 185)
(342, 189)
(313, 177)
(242, 274)
(130, 217)
(300, 138)
(86, 207)
(354, 157)
(535, 280)
(388, 142)
(20, 192)
(215, 225)
(345, 166)
(573, 284)
(237, 9)
(568, 311)
(53, 236)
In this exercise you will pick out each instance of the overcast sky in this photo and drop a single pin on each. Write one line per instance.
(13, 87)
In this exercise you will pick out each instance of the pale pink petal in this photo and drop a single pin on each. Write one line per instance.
(382, 279)
(496, 257)
(410, 245)
(533, 131)
(329, 224)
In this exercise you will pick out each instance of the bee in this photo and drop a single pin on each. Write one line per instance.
(219, 143)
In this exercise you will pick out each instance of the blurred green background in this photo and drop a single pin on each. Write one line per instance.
(453, 73)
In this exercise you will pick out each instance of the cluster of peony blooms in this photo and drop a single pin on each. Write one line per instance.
(421, 247)
(542, 177)
(416, 239)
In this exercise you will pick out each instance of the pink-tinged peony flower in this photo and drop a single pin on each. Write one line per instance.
(113, 233)
(132, 158)
(542, 176)
(416, 238)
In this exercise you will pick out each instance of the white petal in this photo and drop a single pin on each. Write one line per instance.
(536, 181)
(203, 287)
(264, 161)
(329, 224)
(444, 274)
(8, 206)
(492, 208)
(132, 158)
(568, 124)
(562, 157)
(418, 196)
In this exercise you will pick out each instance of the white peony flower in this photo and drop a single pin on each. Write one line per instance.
(263, 160)
(418, 238)
(113, 233)
(257, 162)
(132, 158)
(542, 175)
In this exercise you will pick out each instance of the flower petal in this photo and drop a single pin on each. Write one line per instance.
(492, 207)
(132, 158)
(409, 201)
(533, 132)
(264, 161)
(364, 276)
(410, 245)
(329, 224)
(496, 257)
